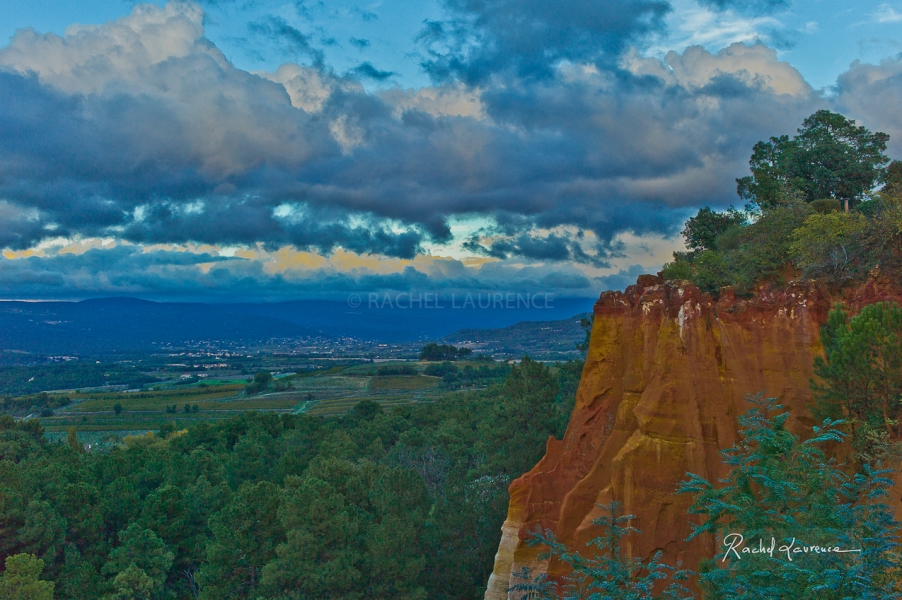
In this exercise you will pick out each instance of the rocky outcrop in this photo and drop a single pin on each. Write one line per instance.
(667, 373)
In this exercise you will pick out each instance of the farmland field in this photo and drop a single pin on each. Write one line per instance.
(326, 393)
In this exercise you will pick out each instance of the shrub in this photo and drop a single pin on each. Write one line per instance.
(826, 205)
(262, 380)
(829, 244)
(677, 270)
(764, 246)
(441, 369)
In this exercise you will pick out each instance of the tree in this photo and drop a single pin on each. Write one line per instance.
(784, 491)
(527, 410)
(861, 371)
(440, 352)
(830, 157)
(702, 230)
(21, 579)
(72, 439)
(367, 409)
(610, 574)
(245, 535)
(140, 563)
(117, 408)
(262, 380)
(893, 179)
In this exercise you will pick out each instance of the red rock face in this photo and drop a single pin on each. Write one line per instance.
(667, 373)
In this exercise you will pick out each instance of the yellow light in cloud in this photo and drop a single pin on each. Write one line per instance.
(14, 254)
(287, 258)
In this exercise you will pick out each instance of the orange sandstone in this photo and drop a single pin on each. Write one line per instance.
(666, 375)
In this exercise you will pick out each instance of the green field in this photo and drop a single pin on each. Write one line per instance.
(404, 382)
(325, 393)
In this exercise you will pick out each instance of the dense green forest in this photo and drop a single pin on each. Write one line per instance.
(406, 503)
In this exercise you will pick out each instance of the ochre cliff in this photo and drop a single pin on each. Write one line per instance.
(666, 375)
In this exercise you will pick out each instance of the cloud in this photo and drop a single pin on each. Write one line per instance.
(480, 39)
(290, 41)
(141, 130)
(886, 14)
(870, 94)
(621, 279)
(704, 24)
(192, 273)
(366, 70)
(747, 6)
(359, 43)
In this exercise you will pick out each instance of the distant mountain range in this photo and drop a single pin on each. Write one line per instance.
(114, 325)
(543, 338)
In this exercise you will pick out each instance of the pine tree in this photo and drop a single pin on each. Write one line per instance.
(610, 574)
(861, 373)
(21, 579)
(788, 492)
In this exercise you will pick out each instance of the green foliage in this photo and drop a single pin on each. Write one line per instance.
(139, 565)
(442, 352)
(702, 231)
(396, 370)
(893, 179)
(678, 270)
(24, 405)
(262, 380)
(782, 488)
(610, 573)
(380, 503)
(826, 205)
(66, 376)
(746, 255)
(830, 157)
(882, 241)
(829, 244)
(245, 536)
(441, 369)
(21, 579)
(795, 191)
(367, 409)
(861, 372)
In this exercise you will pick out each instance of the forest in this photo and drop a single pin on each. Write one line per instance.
(405, 503)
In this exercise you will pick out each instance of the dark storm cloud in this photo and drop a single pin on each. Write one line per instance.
(481, 38)
(149, 134)
(544, 248)
(366, 70)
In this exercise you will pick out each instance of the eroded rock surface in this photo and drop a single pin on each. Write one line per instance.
(666, 375)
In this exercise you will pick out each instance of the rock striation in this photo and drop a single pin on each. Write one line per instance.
(667, 373)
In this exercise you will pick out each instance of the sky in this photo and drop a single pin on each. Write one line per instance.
(265, 150)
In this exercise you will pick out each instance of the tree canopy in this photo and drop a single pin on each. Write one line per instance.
(830, 157)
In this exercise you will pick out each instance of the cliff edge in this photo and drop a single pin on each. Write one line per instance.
(667, 373)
